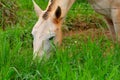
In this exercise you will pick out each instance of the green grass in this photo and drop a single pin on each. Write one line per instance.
(79, 57)
(76, 59)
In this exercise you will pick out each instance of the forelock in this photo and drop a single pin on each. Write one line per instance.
(46, 14)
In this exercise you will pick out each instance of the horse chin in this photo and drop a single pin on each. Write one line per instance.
(46, 46)
(44, 51)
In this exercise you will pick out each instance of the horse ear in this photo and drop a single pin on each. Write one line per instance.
(58, 12)
(37, 9)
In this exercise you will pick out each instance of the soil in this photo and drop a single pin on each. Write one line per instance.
(86, 29)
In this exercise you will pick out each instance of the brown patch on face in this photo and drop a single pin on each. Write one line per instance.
(46, 14)
(58, 21)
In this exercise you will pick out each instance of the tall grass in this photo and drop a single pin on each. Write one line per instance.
(79, 57)
(76, 59)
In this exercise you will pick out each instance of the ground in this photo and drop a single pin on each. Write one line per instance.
(86, 29)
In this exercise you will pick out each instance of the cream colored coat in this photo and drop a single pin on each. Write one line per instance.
(50, 20)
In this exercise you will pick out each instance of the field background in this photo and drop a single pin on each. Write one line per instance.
(87, 52)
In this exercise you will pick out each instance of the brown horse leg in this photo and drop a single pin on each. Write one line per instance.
(111, 28)
(116, 22)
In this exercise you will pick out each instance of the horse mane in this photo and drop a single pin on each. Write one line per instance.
(50, 7)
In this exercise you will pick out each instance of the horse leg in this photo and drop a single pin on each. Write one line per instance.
(116, 22)
(111, 28)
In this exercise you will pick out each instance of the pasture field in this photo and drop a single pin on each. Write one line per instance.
(85, 54)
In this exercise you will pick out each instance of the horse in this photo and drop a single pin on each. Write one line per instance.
(50, 20)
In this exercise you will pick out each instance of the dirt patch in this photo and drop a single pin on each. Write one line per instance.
(94, 28)
(8, 10)
(93, 33)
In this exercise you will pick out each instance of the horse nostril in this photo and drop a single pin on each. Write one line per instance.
(51, 38)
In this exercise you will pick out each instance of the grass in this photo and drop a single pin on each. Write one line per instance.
(79, 57)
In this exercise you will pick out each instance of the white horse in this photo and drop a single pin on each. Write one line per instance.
(48, 26)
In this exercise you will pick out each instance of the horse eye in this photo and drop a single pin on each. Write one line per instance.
(51, 38)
